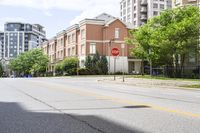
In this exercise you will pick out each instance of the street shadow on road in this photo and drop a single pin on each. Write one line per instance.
(15, 119)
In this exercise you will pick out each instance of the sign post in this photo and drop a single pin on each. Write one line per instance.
(115, 53)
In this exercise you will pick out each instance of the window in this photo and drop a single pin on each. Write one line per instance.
(69, 39)
(134, 15)
(155, 5)
(73, 38)
(124, 12)
(128, 10)
(62, 41)
(73, 51)
(83, 34)
(129, 18)
(124, 4)
(162, 6)
(69, 54)
(155, 13)
(124, 18)
(134, 8)
(129, 1)
(134, 22)
(116, 32)
(92, 48)
(82, 49)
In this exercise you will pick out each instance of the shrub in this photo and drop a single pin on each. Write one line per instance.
(69, 65)
(58, 69)
(84, 71)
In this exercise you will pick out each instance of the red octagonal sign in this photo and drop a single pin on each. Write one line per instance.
(115, 52)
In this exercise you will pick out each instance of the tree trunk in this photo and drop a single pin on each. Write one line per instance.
(182, 64)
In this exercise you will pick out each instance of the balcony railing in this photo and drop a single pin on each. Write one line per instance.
(143, 17)
(143, 9)
(143, 2)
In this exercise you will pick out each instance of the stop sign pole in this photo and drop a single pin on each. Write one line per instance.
(115, 52)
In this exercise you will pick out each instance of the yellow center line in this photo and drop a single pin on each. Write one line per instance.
(55, 86)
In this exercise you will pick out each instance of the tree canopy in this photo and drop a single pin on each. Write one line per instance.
(1, 70)
(169, 38)
(97, 64)
(33, 61)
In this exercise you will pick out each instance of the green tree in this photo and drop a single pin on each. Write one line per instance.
(88, 63)
(33, 61)
(69, 65)
(97, 64)
(102, 65)
(169, 38)
(58, 69)
(95, 59)
(1, 70)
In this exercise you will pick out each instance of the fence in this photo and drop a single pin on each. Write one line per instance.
(173, 72)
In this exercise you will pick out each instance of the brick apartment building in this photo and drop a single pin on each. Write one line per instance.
(99, 34)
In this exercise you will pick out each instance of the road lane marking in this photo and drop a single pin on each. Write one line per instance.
(56, 86)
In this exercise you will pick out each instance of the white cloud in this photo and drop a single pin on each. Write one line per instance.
(88, 8)
(48, 4)
(97, 7)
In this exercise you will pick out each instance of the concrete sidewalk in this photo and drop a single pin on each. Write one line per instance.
(174, 84)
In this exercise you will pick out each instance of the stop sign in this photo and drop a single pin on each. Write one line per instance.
(115, 52)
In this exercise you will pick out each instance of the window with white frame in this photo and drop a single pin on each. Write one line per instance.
(82, 49)
(69, 39)
(62, 41)
(73, 51)
(83, 34)
(117, 32)
(92, 48)
(69, 52)
(73, 38)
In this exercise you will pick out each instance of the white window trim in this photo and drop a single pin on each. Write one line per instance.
(92, 48)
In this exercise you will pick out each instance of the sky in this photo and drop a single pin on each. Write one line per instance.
(54, 15)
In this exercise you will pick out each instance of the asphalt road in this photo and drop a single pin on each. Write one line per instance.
(85, 105)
